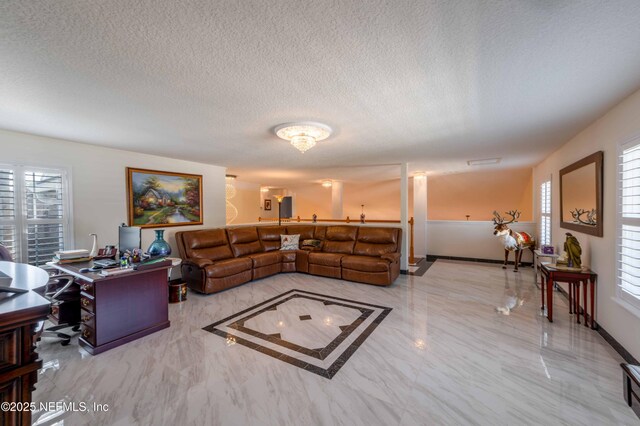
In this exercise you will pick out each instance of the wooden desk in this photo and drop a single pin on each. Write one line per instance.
(120, 308)
(19, 318)
(550, 274)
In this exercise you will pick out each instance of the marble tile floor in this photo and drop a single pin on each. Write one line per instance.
(463, 344)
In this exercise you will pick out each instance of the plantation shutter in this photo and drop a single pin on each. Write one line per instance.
(545, 213)
(44, 209)
(8, 234)
(34, 212)
(629, 223)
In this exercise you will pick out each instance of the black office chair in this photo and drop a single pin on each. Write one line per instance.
(64, 295)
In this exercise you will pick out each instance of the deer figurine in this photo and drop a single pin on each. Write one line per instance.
(512, 240)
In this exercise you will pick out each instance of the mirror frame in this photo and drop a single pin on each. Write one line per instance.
(596, 158)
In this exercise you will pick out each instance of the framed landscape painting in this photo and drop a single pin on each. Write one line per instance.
(160, 199)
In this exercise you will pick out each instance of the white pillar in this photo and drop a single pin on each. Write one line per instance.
(404, 215)
(336, 200)
(419, 215)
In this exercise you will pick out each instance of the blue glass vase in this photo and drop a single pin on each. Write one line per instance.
(159, 247)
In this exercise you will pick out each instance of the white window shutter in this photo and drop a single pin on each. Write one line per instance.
(628, 247)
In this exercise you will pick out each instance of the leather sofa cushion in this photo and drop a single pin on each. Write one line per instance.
(341, 233)
(320, 232)
(270, 236)
(228, 267)
(340, 239)
(305, 231)
(376, 241)
(242, 235)
(207, 244)
(289, 255)
(378, 235)
(244, 241)
(265, 259)
(325, 259)
(365, 263)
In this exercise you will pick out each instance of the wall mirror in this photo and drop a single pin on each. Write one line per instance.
(581, 195)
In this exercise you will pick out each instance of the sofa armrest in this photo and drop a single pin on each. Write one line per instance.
(199, 263)
(391, 257)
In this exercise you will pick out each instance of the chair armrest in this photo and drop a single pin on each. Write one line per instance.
(199, 263)
(56, 278)
(391, 257)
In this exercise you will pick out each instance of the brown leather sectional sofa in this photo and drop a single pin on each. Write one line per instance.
(217, 259)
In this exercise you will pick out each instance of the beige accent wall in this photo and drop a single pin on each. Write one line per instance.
(478, 194)
(605, 134)
(381, 200)
(309, 199)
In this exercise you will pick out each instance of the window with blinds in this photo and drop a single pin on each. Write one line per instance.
(34, 212)
(629, 223)
(545, 213)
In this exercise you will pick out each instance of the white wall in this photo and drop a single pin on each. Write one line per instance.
(605, 134)
(472, 239)
(99, 184)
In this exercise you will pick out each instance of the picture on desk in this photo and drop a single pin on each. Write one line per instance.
(160, 199)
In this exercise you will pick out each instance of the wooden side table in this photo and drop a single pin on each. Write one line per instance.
(575, 278)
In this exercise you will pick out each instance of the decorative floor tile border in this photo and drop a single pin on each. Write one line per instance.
(325, 361)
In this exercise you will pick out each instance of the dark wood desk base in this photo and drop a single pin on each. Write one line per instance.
(20, 316)
(118, 309)
(130, 338)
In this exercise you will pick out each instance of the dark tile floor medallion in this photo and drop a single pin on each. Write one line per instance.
(312, 331)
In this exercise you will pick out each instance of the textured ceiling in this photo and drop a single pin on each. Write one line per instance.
(434, 83)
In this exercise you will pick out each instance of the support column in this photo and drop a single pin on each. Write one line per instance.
(336, 200)
(404, 215)
(420, 215)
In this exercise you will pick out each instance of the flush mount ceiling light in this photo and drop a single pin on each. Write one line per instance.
(264, 189)
(483, 162)
(303, 135)
(327, 183)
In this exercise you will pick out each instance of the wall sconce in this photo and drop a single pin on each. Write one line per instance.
(264, 189)
(327, 183)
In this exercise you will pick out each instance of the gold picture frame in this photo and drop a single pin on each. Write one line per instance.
(158, 199)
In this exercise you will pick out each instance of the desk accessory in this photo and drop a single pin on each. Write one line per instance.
(94, 245)
(151, 264)
(115, 271)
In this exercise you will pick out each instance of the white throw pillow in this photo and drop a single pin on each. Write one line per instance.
(289, 242)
